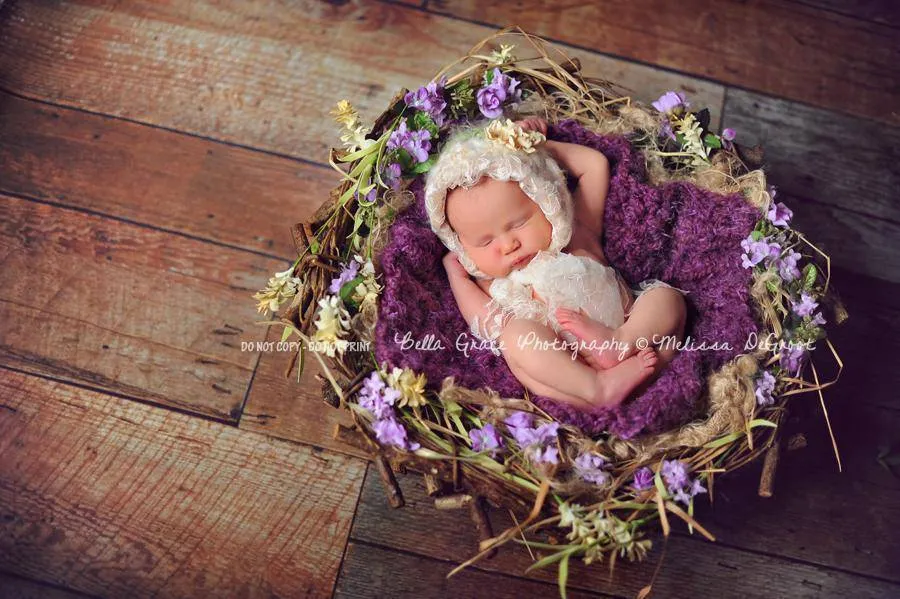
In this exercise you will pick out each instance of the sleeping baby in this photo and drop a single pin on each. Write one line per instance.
(498, 199)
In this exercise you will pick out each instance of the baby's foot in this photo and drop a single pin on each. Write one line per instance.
(615, 384)
(602, 350)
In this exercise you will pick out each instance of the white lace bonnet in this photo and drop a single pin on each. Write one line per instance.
(505, 154)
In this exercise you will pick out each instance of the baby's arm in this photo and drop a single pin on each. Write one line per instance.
(591, 168)
(470, 298)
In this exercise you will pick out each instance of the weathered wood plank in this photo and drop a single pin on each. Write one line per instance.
(378, 572)
(856, 242)
(782, 49)
(877, 11)
(115, 498)
(692, 566)
(199, 67)
(148, 175)
(868, 342)
(842, 161)
(14, 587)
(288, 409)
(148, 314)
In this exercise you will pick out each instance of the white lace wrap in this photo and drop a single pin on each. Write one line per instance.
(467, 157)
(561, 280)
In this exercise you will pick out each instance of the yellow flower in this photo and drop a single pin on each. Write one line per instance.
(410, 386)
(345, 114)
(513, 136)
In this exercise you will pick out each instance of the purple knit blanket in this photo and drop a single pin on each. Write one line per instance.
(677, 232)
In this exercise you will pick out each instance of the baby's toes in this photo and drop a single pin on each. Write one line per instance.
(649, 357)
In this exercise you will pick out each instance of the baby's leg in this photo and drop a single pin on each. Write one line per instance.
(658, 312)
(534, 355)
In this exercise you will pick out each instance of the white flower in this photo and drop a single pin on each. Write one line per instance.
(503, 55)
(332, 323)
(367, 291)
(279, 289)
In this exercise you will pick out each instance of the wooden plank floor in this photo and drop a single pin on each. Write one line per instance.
(153, 156)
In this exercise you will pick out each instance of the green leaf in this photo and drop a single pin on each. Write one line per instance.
(423, 167)
(723, 440)
(563, 576)
(348, 287)
(772, 286)
(712, 141)
(756, 235)
(423, 120)
(553, 558)
(761, 422)
(286, 333)
(314, 246)
(488, 76)
(809, 276)
(657, 480)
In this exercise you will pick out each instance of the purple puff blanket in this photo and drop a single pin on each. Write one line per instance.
(677, 232)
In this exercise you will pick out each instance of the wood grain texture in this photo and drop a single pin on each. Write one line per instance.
(853, 241)
(290, 409)
(116, 498)
(779, 48)
(370, 572)
(878, 11)
(842, 161)
(169, 180)
(147, 314)
(692, 566)
(263, 74)
(15, 587)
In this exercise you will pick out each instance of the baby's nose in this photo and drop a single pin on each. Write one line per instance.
(511, 245)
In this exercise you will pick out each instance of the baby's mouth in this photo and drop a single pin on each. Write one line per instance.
(522, 261)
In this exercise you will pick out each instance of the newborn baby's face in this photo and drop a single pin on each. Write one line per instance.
(499, 226)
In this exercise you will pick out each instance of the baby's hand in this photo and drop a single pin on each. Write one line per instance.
(533, 124)
(453, 267)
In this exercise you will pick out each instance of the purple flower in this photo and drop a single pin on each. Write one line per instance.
(818, 319)
(391, 175)
(389, 431)
(589, 466)
(792, 359)
(779, 214)
(519, 420)
(430, 99)
(490, 101)
(369, 197)
(675, 474)
(491, 97)
(377, 398)
(416, 142)
(508, 84)
(539, 443)
(547, 455)
(671, 102)
(486, 439)
(757, 251)
(765, 385)
(806, 305)
(678, 483)
(728, 136)
(347, 274)
(643, 479)
(684, 494)
(787, 266)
